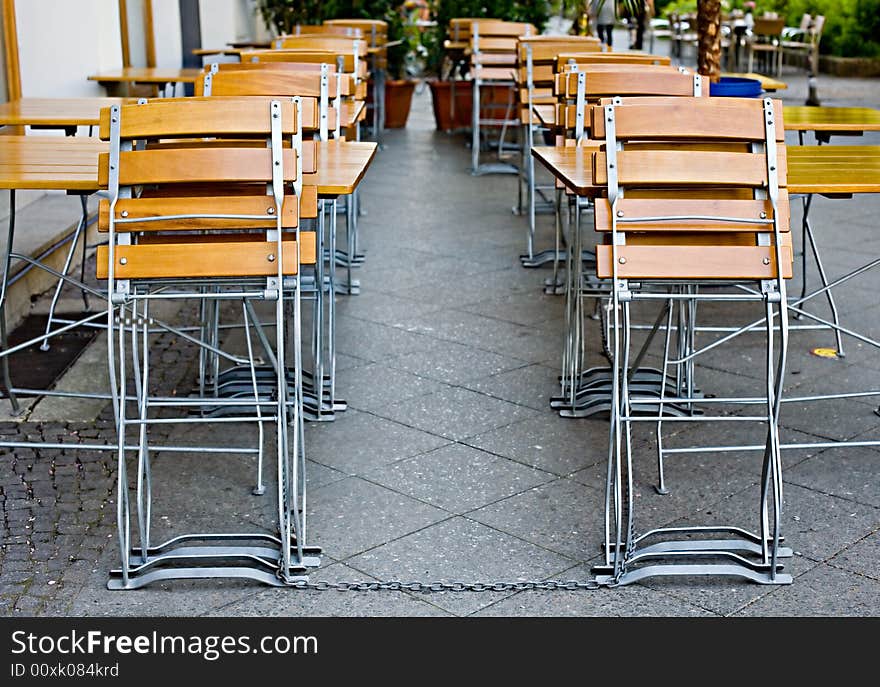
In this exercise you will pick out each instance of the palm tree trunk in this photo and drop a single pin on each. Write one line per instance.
(709, 37)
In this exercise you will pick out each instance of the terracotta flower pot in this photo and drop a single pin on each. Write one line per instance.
(491, 97)
(398, 99)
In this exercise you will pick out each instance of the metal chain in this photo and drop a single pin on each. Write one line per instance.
(434, 587)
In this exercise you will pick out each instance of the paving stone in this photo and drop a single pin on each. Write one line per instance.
(458, 478)
(562, 516)
(850, 473)
(353, 515)
(290, 603)
(823, 591)
(549, 442)
(862, 557)
(460, 550)
(455, 363)
(456, 413)
(530, 386)
(375, 385)
(357, 440)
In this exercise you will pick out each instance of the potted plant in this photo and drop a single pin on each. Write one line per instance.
(447, 115)
(399, 87)
(283, 15)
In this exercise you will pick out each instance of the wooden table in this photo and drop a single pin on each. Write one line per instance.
(50, 162)
(341, 166)
(767, 83)
(834, 171)
(147, 75)
(56, 113)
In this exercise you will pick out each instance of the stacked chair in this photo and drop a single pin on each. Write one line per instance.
(587, 391)
(536, 57)
(565, 61)
(375, 33)
(204, 204)
(493, 48)
(692, 192)
(313, 88)
(349, 61)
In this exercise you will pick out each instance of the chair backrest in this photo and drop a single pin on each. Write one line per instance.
(324, 85)
(349, 61)
(541, 52)
(806, 22)
(496, 36)
(692, 189)
(312, 42)
(159, 190)
(564, 60)
(374, 31)
(325, 30)
(768, 27)
(578, 89)
(460, 29)
(816, 28)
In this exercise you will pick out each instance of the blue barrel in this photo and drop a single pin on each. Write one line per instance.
(736, 87)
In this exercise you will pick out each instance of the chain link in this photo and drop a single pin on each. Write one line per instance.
(436, 587)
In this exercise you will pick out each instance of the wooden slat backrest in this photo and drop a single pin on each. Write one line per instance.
(736, 119)
(545, 49)
(691, 197)
(206, 257)
(187, 117)
(584, 58)
(374, 31)
(629, 80)
(304, 56)
(678, 168)
(460, 29)
(309, 147)
(157, 206)
(768, 27)
(335, 43)
(211, 164)
(286, 83)
(716, 204)
(324, 30)
(309, 106)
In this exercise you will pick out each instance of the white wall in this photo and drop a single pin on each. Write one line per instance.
(166, 29)
(63, 42)
(223, 21)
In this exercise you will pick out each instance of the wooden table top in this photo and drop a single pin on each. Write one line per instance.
(824, 170)
(60, 112)
(353, 111)
(341, 166)
(767, 83)
(800, 118)
(50, 162)
(148, 75)
(831, 170)
(202, 52)
(71, 164)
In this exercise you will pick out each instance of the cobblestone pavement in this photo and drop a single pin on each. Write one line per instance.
(449, 464)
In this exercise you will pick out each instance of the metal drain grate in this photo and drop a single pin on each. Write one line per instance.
(36, 369)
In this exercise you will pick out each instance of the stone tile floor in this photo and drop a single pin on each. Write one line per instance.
(449, 464)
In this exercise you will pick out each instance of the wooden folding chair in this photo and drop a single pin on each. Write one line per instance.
(692, 193)
(325, 29)
(182, 241)
(319, 400)
(493, 46)
(766, 39)
(586, 391)
(536, 59)
(375, 33)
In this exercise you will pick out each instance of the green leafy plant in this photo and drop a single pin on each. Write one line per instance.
(442, 11)
(852, 27)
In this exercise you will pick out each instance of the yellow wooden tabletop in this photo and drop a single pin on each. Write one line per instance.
(62, 112)
(201, 52)
(828, 170)
(50, 162)
(148, 75)
(824, 170)
(341, 166)
(800, 118)
(71, 163)
(767, 83)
